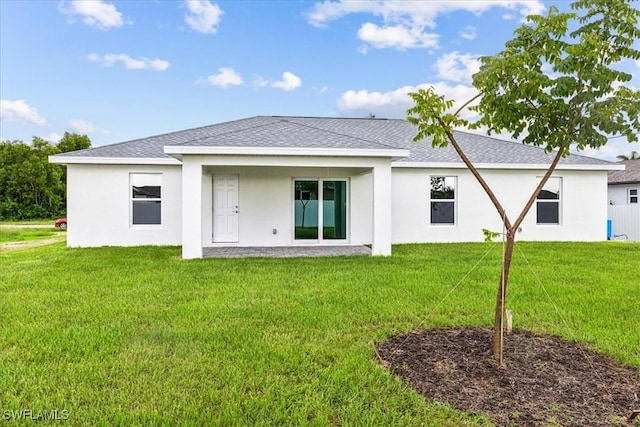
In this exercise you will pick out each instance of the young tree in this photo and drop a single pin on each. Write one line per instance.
(555, 88)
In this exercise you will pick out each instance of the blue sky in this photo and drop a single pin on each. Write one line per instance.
(119, 70)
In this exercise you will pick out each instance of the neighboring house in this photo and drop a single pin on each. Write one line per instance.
(283, 181)
(624, 201)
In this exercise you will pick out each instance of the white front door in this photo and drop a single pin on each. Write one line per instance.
(225, 208)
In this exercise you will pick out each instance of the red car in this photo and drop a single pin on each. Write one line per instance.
(62, 223)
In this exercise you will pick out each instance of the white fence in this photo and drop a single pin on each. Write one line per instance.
(625, 222)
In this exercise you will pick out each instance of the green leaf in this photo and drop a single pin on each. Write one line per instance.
(490, 235)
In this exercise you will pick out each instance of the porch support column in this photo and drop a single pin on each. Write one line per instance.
(191, 208)
(381, 172)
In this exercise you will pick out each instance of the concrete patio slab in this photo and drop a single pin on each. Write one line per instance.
(284, 251)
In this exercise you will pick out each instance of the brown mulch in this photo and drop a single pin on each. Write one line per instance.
(544, 381)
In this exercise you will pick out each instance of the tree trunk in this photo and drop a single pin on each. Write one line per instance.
(511, 229)
(498, 323)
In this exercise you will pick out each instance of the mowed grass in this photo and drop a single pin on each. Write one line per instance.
(11, 234)
(136, 336)
(43, 221)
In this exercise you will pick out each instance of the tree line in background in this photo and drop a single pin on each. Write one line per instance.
(30, 186)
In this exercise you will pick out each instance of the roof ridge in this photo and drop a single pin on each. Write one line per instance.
(333, 118)
(349, 136)
(229, 132)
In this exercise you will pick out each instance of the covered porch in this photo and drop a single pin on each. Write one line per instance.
(248, 205)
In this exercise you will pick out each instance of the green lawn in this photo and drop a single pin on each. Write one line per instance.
(45, 222)
(133, 336)
(9, 234)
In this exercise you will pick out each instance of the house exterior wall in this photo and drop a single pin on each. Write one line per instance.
(618, 194)
(625, 222)
(99, 206)
(583, 209)
(362, 209)
(625, 217)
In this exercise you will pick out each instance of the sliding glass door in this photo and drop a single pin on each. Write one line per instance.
(306, 209)
(334, 210)
(320, 205)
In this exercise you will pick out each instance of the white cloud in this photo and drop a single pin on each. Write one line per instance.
(130, 63)
(94, 13)
(226, 77)
(396, 102)
(203, 16)
(81, 126)
(457, 67)
(418, 12)
(320, 89)
(469, 32)
(530, 7)
(20, 110)
(53, 137)
(396, 36)
(260, 82)
(404, 22)
(289, 82)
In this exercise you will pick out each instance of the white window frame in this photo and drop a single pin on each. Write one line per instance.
(633, 196)
(557, 201)
(454, 200)
(133, 200)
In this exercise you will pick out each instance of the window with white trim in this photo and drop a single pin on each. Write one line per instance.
(548, 202)
(632, 195)
(443, 200)
(146, 198)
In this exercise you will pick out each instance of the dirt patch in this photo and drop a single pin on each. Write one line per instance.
(545, 380)
(14, 246)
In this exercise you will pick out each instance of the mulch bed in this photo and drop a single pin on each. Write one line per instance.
(544, 381)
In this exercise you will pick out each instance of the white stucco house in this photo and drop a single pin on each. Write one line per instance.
(624, 201)
(285, 181)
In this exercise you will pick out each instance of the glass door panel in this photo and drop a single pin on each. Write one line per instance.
(334, 210)
(306, 210)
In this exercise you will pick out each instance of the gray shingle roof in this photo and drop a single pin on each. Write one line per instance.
(328, 132)
(484, 149)
(285, 132)
(630, 175)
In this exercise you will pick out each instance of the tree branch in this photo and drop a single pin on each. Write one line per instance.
(534, 195)
(474, 171)
(467, 103)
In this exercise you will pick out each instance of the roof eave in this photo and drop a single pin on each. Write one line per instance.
(71, 160)
(179, 150)
(525, 166)
(629, 182)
